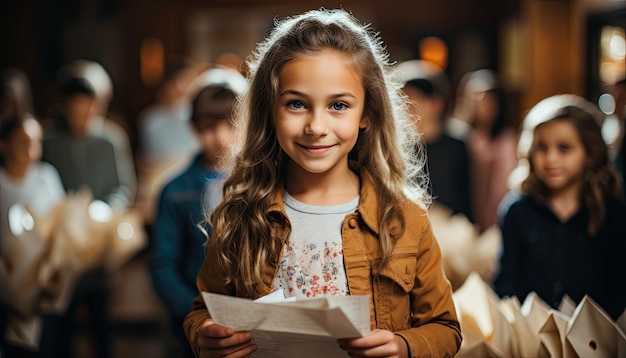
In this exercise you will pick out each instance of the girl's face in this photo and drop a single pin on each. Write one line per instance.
(319, 111)
(24, 144)
(558, 155)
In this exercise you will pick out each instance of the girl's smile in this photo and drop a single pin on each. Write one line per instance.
(316, 150)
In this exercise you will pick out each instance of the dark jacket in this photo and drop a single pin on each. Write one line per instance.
(554, 258)
(177, 242)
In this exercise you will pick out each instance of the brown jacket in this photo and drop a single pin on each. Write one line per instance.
(410, 296)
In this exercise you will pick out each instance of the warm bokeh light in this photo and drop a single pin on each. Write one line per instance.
(229, 60)
(435, 50)
(152, 61)
(612, 54)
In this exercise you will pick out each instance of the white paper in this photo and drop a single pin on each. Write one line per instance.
(302, 328)
(592, 333)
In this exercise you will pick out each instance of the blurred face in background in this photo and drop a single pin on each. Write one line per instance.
(23, 146)
(485, 109)
(426, 111)
(558, 155)
(215, 136)
(78, 110)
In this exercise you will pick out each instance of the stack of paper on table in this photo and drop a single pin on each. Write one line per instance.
(297, 328)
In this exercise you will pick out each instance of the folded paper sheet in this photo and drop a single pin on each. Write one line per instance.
(302, 328)
(495, 327)
(592, 333)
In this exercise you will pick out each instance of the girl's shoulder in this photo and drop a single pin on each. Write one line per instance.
(411, 207)
(515, 203)
(415, 216)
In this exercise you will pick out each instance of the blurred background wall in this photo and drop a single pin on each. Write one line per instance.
(540, 47)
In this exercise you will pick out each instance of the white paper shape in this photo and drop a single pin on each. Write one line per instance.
(303, 328)
(592, 333)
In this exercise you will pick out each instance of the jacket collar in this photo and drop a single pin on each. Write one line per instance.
(368, 203)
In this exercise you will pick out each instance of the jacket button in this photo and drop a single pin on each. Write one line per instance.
(352, 223)
(407, 278)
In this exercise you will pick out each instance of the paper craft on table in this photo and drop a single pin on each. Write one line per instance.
(296, 328)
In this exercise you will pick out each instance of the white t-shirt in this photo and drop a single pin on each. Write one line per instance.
(312, 260)
(39, 191)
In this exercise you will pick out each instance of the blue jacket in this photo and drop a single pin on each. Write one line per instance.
(177, 242)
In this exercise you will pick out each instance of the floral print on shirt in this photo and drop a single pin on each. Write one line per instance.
(308, 270)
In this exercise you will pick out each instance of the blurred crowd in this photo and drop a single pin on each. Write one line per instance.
(78, 203)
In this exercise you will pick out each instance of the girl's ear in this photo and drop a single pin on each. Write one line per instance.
(364, 123)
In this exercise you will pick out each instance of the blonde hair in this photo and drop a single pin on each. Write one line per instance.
(246, 232)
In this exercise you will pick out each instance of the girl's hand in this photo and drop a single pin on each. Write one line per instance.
(379, 343)
(219, 341)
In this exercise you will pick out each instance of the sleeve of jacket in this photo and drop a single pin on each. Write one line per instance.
(168, 253)
(209, 279)
(436, 330)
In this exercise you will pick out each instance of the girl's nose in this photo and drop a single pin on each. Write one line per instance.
(317, 124)
(552, 155)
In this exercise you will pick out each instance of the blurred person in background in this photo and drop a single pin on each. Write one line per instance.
(165, 134)
(15, 82)
(24, 179)
(564, 233)
(101, 126)
(166, 138)
(178, 243)
(428, 90)
(84, 161)
(463, 249)
(492, 145)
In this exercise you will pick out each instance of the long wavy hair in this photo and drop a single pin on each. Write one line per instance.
(599, 177)
(246, 233)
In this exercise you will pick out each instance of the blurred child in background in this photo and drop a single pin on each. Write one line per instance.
(565, 234)
(177, 241)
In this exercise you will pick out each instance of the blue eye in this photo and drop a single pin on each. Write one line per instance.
(295, 104)
(338, 106)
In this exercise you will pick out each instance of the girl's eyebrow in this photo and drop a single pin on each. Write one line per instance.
(296, 93)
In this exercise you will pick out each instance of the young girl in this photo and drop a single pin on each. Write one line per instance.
(565, 234)
(24, 179)
(297, 216)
